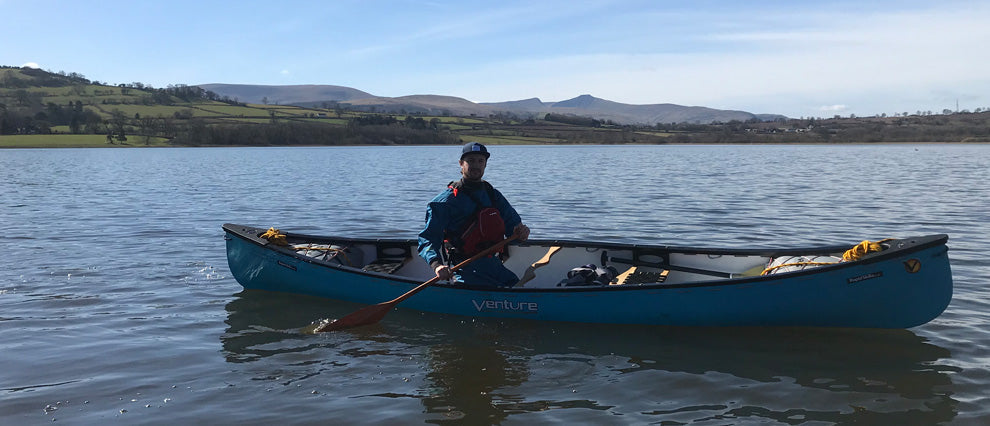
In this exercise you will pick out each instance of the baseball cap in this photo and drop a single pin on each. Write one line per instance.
(474, 147)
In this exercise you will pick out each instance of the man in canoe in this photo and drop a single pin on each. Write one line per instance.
(469, 216)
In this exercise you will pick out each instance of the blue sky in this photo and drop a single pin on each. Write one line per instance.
(798, 58)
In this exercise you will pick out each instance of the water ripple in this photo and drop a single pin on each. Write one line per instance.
(115, 281)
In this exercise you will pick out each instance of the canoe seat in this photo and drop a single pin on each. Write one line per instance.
(384, 266)
(389, 257)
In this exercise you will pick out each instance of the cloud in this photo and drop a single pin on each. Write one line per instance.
(31, 65)
(833, 108)
(284, 72)
(461, 26)
(863, 64)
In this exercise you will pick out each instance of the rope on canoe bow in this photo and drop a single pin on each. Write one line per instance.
(278, 238)
(275, 237)
(862, 249)
(850, 255)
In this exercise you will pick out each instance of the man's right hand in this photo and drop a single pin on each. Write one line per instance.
(443, 272)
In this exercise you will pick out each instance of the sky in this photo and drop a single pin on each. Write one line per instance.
(796, 58)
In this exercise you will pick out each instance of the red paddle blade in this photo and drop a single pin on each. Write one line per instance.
(364, 316)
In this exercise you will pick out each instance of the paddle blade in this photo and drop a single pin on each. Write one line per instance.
(528, 275)
(364, 316)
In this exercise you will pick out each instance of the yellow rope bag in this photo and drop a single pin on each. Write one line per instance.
(862, 249)
(275, 237)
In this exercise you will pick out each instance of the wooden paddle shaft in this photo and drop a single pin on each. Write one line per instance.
(374, 313)
(483, 253)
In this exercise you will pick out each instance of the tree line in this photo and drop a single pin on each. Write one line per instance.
(41, 119)
(359, 131)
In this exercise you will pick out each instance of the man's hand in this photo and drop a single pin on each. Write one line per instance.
(443, 272)
(522, 231)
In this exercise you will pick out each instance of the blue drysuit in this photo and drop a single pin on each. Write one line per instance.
(450, 213)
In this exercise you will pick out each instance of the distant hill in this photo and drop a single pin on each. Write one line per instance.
(771, 117)
(17, 77)
(426, 104)
(286, 95)
(584, 105)
(43, 109)
(601, 109)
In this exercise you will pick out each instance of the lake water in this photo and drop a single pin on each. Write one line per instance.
(116, 302)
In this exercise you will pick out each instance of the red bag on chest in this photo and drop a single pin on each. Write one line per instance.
(487, 229)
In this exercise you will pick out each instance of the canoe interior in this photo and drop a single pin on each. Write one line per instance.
(637, 265)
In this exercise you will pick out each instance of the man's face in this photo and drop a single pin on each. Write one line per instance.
(473, 166)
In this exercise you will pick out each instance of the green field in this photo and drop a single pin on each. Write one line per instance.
(509, 140)
(150, 110)
(231, 110)
(456, 120)
(333, 121)
(74, 141)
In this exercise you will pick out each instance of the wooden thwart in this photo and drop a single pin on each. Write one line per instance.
(531, 271)
(636, 276)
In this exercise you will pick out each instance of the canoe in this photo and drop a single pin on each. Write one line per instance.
(896, 283)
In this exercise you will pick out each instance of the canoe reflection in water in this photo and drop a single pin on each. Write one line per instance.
(488, 371)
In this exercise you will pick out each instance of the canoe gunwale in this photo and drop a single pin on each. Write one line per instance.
(898, 248)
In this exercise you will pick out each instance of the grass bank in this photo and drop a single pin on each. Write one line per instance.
(75, 141)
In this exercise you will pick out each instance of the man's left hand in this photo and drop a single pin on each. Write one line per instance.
(522, 231)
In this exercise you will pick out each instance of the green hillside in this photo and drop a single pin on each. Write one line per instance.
(44, 109)
(37, 106)
(40, 108)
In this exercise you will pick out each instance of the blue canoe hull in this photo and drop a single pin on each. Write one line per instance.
(899, 288)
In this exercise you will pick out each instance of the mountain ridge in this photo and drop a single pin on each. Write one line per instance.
(286, 94)
(584, 105)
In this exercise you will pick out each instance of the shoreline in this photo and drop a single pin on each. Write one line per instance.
(161, 146)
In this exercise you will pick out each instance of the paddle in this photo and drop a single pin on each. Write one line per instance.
(374, 313)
